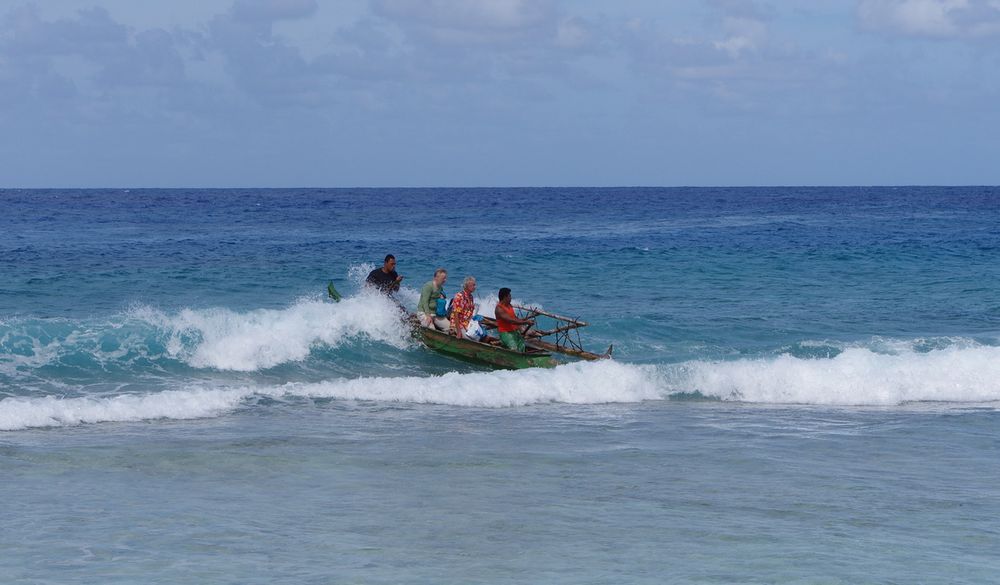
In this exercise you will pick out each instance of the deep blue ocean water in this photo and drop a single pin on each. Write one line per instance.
(805, 388)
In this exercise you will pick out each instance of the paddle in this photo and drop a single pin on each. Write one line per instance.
(332, 291)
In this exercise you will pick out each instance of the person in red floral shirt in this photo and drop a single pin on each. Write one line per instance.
(463, 308)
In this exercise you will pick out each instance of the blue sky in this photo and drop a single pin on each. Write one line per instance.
(271, 93)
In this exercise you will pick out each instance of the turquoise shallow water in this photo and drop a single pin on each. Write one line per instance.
(804, 390)
(343, 491)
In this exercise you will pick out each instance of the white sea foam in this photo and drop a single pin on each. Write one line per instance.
(961, 373)
(49, 411)
(577, 383)
(249, 341)
(40, 354)
(580, 383)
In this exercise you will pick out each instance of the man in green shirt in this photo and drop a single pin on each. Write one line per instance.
(429, 295)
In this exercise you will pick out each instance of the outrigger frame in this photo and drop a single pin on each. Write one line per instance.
(566, 334)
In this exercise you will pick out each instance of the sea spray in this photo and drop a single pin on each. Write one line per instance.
(265, 338)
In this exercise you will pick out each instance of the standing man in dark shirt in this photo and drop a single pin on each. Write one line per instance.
(385, 279)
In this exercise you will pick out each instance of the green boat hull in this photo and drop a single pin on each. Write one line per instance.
(484, 353)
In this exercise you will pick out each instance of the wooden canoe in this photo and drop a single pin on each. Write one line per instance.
(490, 353)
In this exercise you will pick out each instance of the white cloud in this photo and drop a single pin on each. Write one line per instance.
(91, 33)
(272, 10)
(736, 46)
(471, 23)
(467, 14)
(82, 61)
(572, 33)
(742, 34)
(944, 19)
(438, 47)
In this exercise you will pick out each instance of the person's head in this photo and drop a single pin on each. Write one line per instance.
(390, 263)
(504, 295)
(469, 284)
(440, 275)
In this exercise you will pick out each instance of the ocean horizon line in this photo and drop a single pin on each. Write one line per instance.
(487, 187)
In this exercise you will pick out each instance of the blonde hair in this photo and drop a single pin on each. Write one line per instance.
(439, 271)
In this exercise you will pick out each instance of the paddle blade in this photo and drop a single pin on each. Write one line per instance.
(332, 291)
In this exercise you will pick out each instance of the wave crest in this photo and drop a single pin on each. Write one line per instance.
(50, 411)
(576, 383)
(962, 373)
(227, 340)
(580, 383)
(966, 372)
(220, 339)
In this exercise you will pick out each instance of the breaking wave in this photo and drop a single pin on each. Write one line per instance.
(888, 374)
(580, 383)
(218, 339)
(858, 376)
(227, 340)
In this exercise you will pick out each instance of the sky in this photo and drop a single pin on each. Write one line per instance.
(449, 93)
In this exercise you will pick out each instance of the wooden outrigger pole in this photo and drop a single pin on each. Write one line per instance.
(537, 311)
(571, 323)
(580, 353)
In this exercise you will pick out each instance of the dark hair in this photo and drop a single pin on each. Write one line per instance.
(504, 292)
(388, 257)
